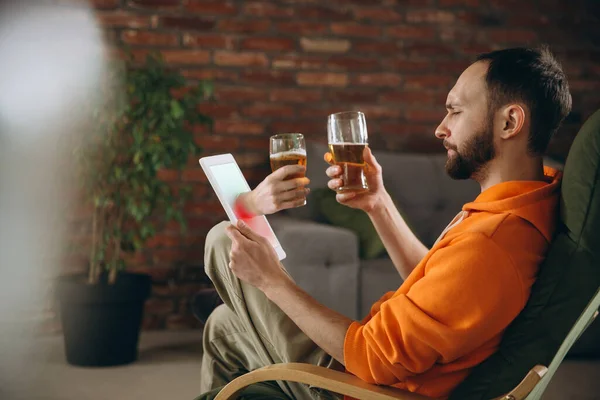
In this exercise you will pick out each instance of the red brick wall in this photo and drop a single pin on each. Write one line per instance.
(281, 66)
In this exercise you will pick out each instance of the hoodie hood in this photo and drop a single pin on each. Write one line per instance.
(532, 201)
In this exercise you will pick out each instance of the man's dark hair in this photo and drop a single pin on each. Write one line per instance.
(535, 78)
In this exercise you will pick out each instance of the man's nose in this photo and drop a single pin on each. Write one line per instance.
(442, 131)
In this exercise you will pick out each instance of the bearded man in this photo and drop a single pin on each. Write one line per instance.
(457, 298)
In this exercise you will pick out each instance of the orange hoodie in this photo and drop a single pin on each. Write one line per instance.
(450, 313)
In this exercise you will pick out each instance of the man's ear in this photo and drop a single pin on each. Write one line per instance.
(513, 119)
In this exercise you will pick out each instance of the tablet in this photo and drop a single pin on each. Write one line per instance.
(228, 182)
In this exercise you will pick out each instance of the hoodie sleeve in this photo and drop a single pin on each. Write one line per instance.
(469, 293)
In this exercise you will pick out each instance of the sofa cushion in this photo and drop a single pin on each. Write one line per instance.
(567, 280)
(334, 213)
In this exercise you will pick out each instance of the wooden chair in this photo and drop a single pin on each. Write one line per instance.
(531, 387)
(569, 278)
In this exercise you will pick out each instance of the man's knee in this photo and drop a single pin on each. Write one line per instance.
(217, 237)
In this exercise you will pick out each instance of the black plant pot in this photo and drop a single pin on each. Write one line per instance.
(101, 323)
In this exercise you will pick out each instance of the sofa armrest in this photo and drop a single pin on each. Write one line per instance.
(323, 260)
(311, 242)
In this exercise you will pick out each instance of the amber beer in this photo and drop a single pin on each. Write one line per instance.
(349, 156)
(290, 157)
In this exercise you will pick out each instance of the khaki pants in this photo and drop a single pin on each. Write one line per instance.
(249, 331)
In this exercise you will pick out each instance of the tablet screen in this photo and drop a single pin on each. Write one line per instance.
(232, 183)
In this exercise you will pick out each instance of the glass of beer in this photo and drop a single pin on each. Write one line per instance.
(288, 149)
(347, 136)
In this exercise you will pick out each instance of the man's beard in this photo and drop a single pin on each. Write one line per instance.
(469, 162)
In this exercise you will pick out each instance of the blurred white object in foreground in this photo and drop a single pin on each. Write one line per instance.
(51, 62)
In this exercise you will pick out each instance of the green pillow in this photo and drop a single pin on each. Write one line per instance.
(567, 281)
(334, 213)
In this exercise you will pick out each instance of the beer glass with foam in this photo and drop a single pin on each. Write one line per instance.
(287, 149)
(347, 136)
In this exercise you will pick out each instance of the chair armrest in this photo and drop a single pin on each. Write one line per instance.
(327, 252)
(522, 390)
(350, 385)
(321, 377)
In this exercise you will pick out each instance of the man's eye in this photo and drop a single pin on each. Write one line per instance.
(456, 112)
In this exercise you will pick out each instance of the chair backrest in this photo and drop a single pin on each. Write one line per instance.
(568, 280)
(582, 323)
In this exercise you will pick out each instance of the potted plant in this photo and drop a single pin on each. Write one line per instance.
(133, 136)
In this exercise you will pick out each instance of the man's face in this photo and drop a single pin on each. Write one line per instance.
(468, 128)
